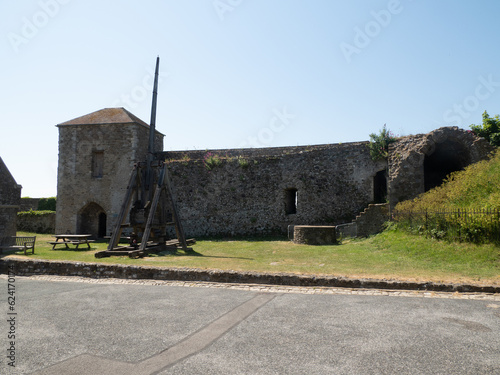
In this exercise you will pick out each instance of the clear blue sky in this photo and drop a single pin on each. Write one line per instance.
(242, 73)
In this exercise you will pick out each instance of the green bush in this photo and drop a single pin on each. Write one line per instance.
(35, 213)
(460, 225)
(489, 129)
(243, 162)
(212, 161)
(47, 204)
(379, 143)
(476, 187)
(471, 199)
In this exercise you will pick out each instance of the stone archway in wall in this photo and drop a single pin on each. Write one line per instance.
(446, 157)
(92, 220)
(420, 162)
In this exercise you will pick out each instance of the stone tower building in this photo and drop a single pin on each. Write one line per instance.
(96, 156)
(10, 199)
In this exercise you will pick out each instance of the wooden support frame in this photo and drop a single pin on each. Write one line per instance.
(150, 189)
(162, 193)
(163, 186)
(125, 208)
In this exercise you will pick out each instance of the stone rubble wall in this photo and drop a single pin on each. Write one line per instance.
(29, 204)
(314, 235)
(246, 193)
(371, 220)
(8, 220)
(45, 223)
(406, 159)
(122, 145)
(10, 199)
(249, 192)
(32, 267)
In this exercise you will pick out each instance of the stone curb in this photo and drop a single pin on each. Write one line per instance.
(31, 267)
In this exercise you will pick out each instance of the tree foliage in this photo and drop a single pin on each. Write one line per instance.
(489, 129)
(379, 143)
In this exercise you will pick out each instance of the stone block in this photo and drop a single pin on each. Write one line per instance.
(315, 234)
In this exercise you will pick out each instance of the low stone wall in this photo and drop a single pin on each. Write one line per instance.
(41, 223)
(29, 267)
(314, 235)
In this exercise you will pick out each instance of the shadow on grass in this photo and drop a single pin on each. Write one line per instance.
(266, 238)
(6, 253)
(74, 249)
(192, 253)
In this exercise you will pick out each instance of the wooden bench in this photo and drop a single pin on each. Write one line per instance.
(18, 243)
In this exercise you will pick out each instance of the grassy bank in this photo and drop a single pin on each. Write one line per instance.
(392, 254)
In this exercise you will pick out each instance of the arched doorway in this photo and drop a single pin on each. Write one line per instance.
(448, 156)
(92, 220)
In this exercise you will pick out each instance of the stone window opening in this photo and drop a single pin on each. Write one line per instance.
(380, 187)
(97, 164)
(290, 201)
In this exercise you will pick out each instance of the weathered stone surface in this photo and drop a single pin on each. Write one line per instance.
(85, 192)
(247, 193)
(29, 267)
(408, 172)
(314, 235)
(29, 204)
(372, 219)
(10, 199)
(45, 223)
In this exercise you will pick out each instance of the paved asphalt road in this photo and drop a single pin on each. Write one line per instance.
(82, 328)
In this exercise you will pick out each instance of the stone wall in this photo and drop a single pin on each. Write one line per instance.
(37, 222)
(314, 235)
(29, 204)
(372, 219)
(10, 197)
(262, 191)
(418, 162)
(248, 191)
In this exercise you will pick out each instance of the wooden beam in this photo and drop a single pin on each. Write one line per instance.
(178, 225)
(125, 208)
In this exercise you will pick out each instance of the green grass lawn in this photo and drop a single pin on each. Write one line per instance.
(392, 254)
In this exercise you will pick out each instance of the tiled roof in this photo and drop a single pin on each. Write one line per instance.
(106, 116)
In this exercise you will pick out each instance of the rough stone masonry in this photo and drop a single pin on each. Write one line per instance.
(246, 191)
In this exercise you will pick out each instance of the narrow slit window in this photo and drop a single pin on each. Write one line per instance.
(290, 201)
(97, 164)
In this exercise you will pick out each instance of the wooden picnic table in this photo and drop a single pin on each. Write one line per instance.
(71, 239)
